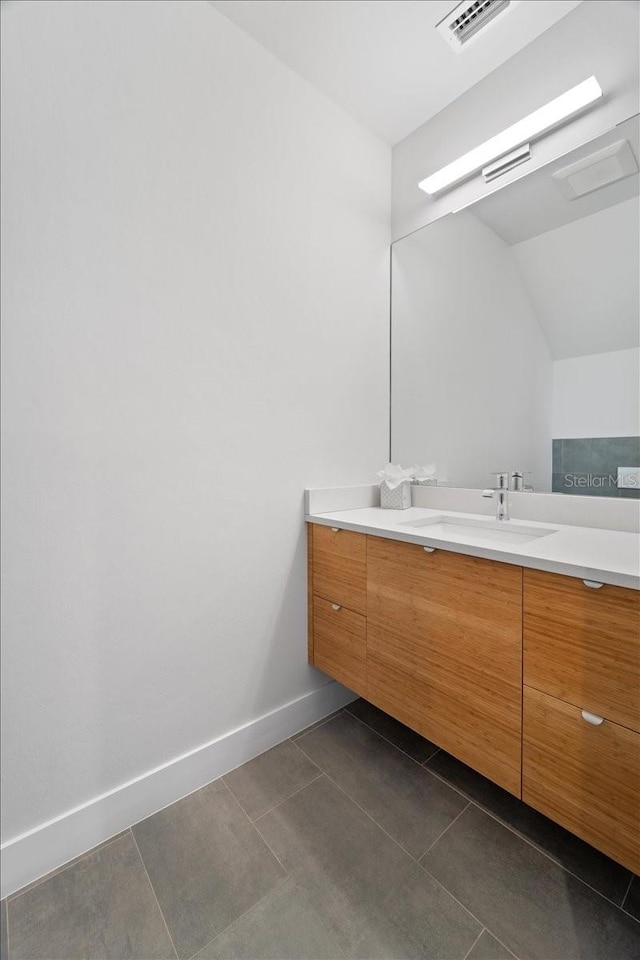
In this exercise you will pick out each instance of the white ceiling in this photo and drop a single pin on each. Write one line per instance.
(534, 204)
(382, 60)
(578, 258)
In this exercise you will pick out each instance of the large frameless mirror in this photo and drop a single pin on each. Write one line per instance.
(515, 330)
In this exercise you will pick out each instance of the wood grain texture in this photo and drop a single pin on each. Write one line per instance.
(583, 645)
(340, 567)
(310, 592)
(586, 778)
(444, 652)
(340, 644)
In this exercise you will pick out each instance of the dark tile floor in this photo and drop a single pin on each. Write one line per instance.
(356, 838)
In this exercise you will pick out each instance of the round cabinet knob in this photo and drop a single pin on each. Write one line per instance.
(335, 529)
(336, 606)
(429, 549)
(592, 718)
(594, 584)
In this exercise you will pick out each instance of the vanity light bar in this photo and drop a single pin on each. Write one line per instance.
(537, 123)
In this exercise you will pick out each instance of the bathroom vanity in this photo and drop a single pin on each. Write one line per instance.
(502, 655)
(512, 644)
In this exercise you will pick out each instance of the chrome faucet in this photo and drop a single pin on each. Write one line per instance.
(517, 480)
(501, 494)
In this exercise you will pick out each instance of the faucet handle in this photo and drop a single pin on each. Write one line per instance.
(517, 480)
(489, 492)
(502, 479)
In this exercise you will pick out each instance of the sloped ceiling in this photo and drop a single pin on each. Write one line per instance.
(383, 60)
(583, 281)
(578, 258)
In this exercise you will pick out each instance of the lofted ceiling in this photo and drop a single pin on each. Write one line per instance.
(578, 258)
(383, 60)
(582, 279)
(534, 204)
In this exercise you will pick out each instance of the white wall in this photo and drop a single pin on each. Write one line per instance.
(195, 311)
(471, 371)
(597, 396)
(599, 37)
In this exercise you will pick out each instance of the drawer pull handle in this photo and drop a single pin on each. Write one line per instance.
(592, 718)
(594, 584)
(335, 529)
(429, 549)
(336, 606)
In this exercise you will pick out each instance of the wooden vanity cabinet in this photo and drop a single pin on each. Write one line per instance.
(444, 651)
(434, 639)
(337, 603)
(581, 718)
(530, 678)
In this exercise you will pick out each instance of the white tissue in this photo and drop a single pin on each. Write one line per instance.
(428, 472)
(393, 475)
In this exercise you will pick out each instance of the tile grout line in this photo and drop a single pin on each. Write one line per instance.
(453, 897)
(473, 944)
(624, 899)
(279, 884)
(470, 801)
(627, 914)
(386, 739)
(314, 726)
(417, 862)
(552, 859)
(448, 783)
(435, 879)
(155, 897)
(28, 887)
(413, 859)
(535, 846)
(273, 854)
(305, 755)
(441, 835)
(6, 920)
(397, 844)
(325, 924)
(493, 816)
(501, 943)
(319, 774)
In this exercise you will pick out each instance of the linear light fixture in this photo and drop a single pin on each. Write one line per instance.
(524, 131)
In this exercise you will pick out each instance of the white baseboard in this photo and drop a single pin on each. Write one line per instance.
(50, 845)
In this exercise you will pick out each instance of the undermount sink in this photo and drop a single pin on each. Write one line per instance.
(461, 530)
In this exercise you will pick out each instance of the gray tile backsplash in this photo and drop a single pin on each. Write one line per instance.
(589, 466)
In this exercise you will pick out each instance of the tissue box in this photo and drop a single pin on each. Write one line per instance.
(426, 482)
(397, 499)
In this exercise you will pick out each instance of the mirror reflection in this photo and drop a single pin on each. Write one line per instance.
(515, 330)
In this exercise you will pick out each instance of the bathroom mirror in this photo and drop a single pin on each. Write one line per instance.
(515, 330)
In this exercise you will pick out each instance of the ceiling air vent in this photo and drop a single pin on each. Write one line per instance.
(467, 20)
(597, 170)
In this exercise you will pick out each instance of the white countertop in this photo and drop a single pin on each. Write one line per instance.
(606, 556)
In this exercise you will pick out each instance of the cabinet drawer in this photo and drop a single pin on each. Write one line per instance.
(340, 567)
(583, 645)
(444, 651)
(340, 644)
(587, 778)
